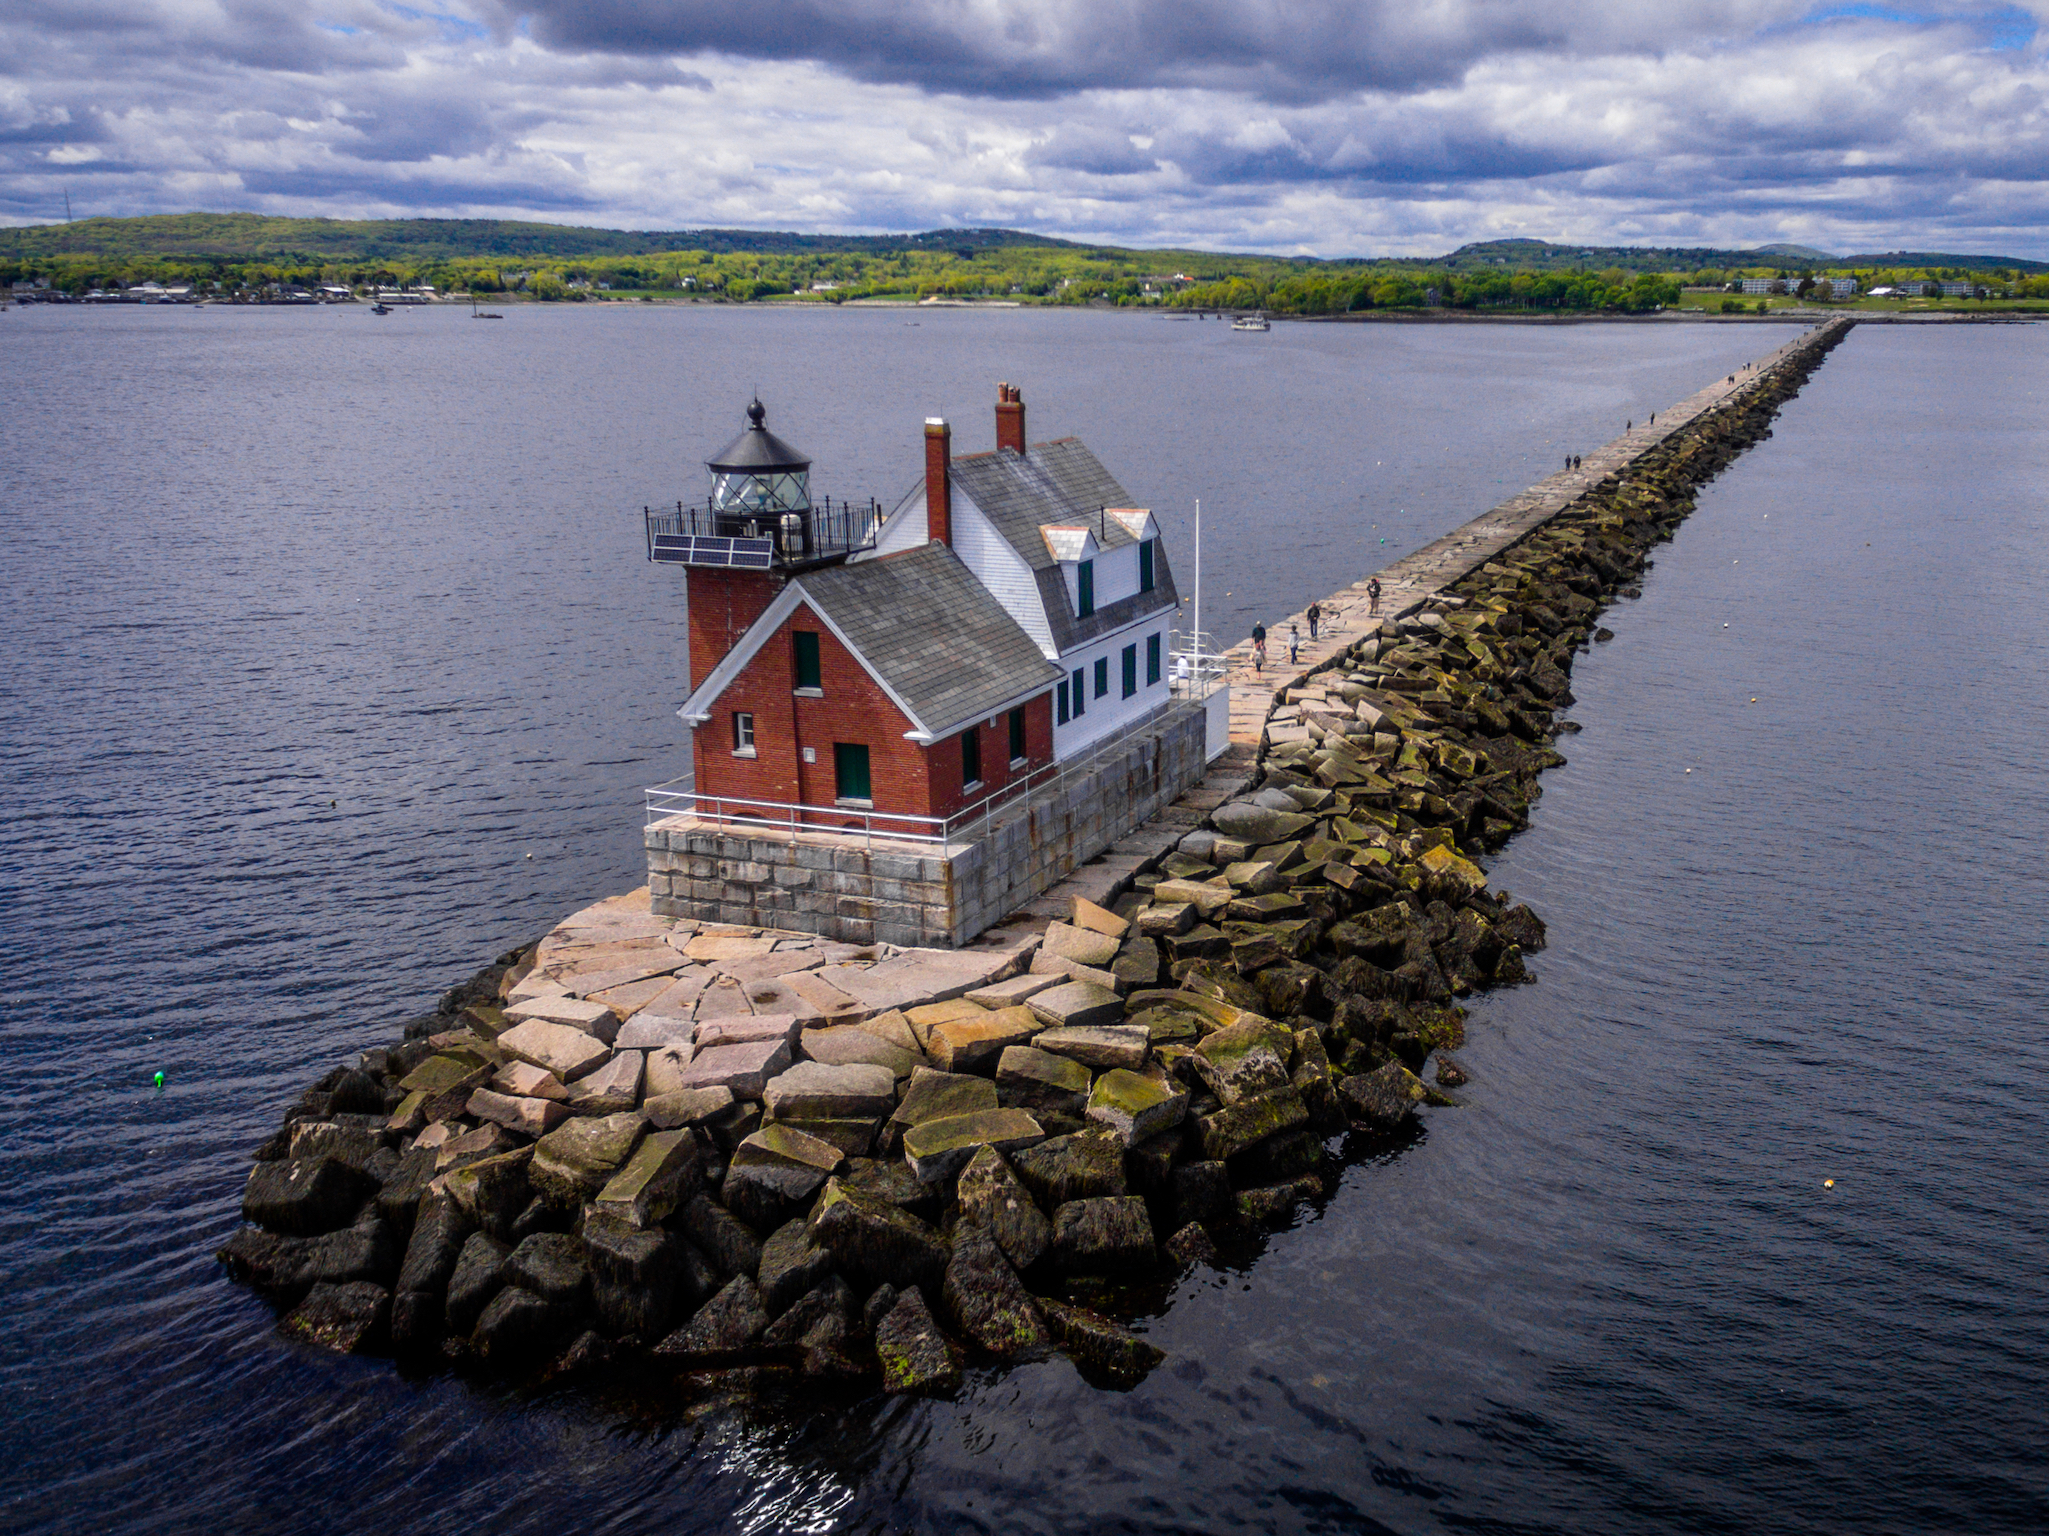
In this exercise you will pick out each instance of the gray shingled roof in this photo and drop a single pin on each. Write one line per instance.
(1060, 482)
(933, 632)
(1057, 482)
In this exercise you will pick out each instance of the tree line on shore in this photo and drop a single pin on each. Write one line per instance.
(975, 265)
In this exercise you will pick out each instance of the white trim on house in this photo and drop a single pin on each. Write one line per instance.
(924, 739)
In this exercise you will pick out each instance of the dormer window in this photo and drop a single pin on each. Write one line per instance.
(1085, 589)
(1145, 565)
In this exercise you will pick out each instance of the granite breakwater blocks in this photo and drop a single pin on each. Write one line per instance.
(737, 1158)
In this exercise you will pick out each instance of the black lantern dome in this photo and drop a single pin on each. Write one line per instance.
(758, 475)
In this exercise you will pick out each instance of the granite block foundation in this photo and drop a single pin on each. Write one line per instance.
(862, 890)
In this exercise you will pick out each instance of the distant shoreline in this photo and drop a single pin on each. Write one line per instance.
(1446, 316)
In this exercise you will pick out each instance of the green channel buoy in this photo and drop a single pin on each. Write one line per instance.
(160, 1079)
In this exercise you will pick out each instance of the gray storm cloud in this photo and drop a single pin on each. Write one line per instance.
(1312, 126)
(1291, 49)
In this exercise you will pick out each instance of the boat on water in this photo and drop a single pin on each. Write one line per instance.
(380, 309)
(483, 314)
(1253, 322)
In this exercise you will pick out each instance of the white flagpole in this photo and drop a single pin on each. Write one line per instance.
(1197, 646)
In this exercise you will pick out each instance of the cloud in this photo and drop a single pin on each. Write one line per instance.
(1314, 127)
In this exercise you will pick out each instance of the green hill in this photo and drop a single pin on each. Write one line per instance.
(1543, 256)
(239, 237)
(253, 237)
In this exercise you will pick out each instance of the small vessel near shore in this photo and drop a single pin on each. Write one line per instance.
(380, 309)
(482, 314)
(1257, 321)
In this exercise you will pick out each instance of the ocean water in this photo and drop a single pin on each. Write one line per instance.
(320, 624)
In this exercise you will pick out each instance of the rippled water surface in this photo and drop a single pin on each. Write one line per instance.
(319, 624)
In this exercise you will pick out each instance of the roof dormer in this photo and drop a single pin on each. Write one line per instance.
(1136, 521)
(1069, 543)
(1075, 548)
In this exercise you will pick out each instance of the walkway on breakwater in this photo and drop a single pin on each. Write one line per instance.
(1418, 576)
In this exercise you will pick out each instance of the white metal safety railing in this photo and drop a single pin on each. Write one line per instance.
(1195, 667)
(970, 823)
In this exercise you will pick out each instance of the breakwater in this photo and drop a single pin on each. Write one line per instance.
(572, 1162)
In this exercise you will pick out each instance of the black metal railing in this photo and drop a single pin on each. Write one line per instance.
(827, 530)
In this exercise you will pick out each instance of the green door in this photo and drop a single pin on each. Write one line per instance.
(850, 771)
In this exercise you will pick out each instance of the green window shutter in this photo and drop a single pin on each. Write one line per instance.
(1145, 565)
(850, 770)
(808, 674)
(1060, 703)
(1085, 589)
(1130, 661)
(1080, 707)
(1152, 660)
(971, 755)
(1017, 733)
(1102, 676)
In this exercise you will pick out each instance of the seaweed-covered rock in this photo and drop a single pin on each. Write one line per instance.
(1080, 1166)
(725, 1328)
(663, 1172)
(1040, 1082)
(1236, 1127)
(875, 1243)
(635, 1274)
(992, 1196)
(551, 1265)
(1191, 1246)
(439, 1233)
(1102, 1236)
(1102, 1350)
(494, 1192)
(1275, 1202)
(304, 1196)
(730, 1242)
(938, 1149)
(517, 1326)
(574, 1162)
(1382, 1098)
(270, 1261)
(791, 1264)
(1244, 1059)
(915, 1355)
(985, 1298)
(347, 1318)
(478, 1274)
(1136, 1107)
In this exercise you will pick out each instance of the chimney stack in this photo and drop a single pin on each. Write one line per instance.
(1010, 418)
(938, 480)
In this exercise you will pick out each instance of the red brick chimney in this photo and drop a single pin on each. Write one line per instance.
(1010, 418)
(938, 480)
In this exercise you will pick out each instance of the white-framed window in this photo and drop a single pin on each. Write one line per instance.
(743, 733)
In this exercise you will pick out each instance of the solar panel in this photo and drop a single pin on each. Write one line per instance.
(688, 549)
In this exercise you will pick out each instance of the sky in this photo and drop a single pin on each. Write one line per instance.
(1314, 127)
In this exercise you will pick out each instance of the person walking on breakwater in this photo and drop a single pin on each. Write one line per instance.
(1294, 643)
(1315, 612)
(1259, 647)
(1373, 595)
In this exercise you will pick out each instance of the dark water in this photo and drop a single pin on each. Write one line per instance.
(318, 624)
